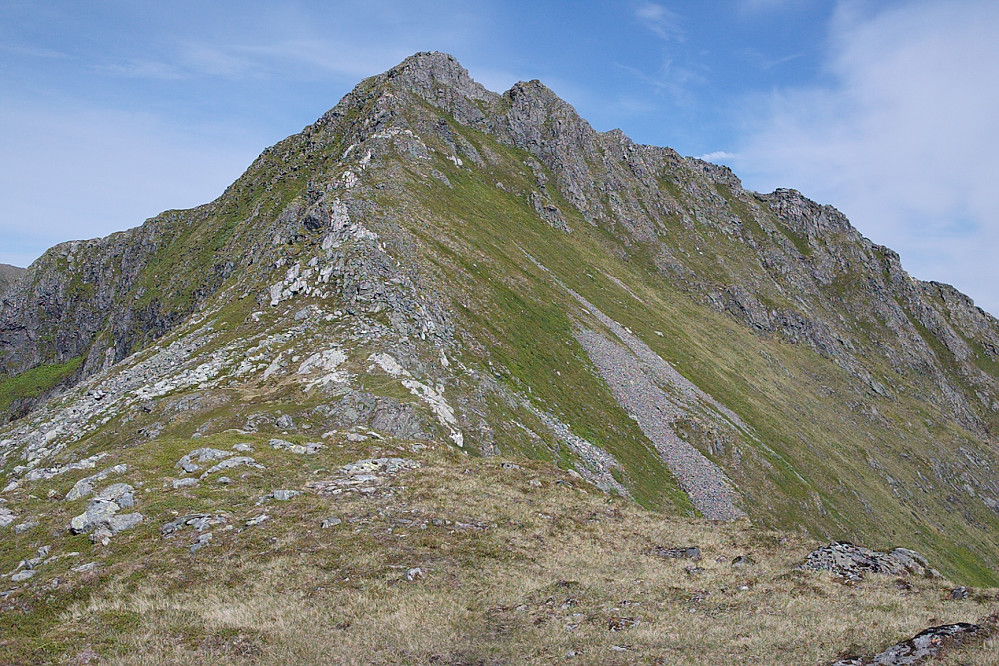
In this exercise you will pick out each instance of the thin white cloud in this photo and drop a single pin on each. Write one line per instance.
(718, 157)
(660, 20)
(34, 52)
(766, 63)
(293, 40)
(144, 69)
(673, 81)
(903, 139)
(760, 6)
(234, 62)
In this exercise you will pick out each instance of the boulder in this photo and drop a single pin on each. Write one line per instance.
(853, 562)
(187, 463)
(98, 511)
(925, 645)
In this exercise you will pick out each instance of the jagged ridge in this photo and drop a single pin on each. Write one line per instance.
(444, 229)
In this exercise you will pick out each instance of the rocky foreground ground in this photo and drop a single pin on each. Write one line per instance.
(354, 548)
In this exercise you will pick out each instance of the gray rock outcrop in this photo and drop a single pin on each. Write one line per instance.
(922, 647)
(853, 562)
(8, 276)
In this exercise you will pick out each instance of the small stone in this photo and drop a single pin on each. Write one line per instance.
(200, 523)
(330, 522)
(853, 562)
(203, 455)
(223, 480)
(922, 647)
(22, 576)
(203, 540)
(414, 573)
(90, 566)
(960, 593)
(85, 487)
(620, 623)
(230, 463)
(310, 448)
(24, 527)
(82, 488)
(742, 561)
(285, 422)
(257, 520)
(184, 483)
(285, 495)
(101, 535)
(242, 447)
(686, 553)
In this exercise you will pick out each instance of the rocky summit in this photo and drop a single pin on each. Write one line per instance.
(451, 377)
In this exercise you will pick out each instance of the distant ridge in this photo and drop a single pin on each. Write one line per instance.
(8, 274)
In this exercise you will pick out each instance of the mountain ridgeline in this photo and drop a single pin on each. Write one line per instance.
(8, 275)
(431, 260)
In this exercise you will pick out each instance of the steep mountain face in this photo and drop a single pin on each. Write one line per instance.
(8, 275)
(434, 261)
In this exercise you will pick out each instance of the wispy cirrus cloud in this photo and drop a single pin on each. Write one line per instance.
(237, 62)
(765, 62)
(718, 157)
(34, 52)
(759, 6)
(662, 21)
(144, 69)
(671, 80)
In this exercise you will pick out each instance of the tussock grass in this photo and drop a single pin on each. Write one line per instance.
(520, 565)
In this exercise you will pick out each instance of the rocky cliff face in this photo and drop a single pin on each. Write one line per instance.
(8, 275)
(431, 260)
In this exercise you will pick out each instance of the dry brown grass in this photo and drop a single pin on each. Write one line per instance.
(557, 567)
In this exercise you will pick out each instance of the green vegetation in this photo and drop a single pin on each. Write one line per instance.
(35, 382)
(805, 450)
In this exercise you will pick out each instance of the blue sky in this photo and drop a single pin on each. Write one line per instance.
(113, 111)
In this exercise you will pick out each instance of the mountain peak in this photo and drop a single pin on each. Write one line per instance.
(429, 71)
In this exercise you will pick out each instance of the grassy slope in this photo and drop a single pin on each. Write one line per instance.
(35, 382)
(814, 466)
(179, 259)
